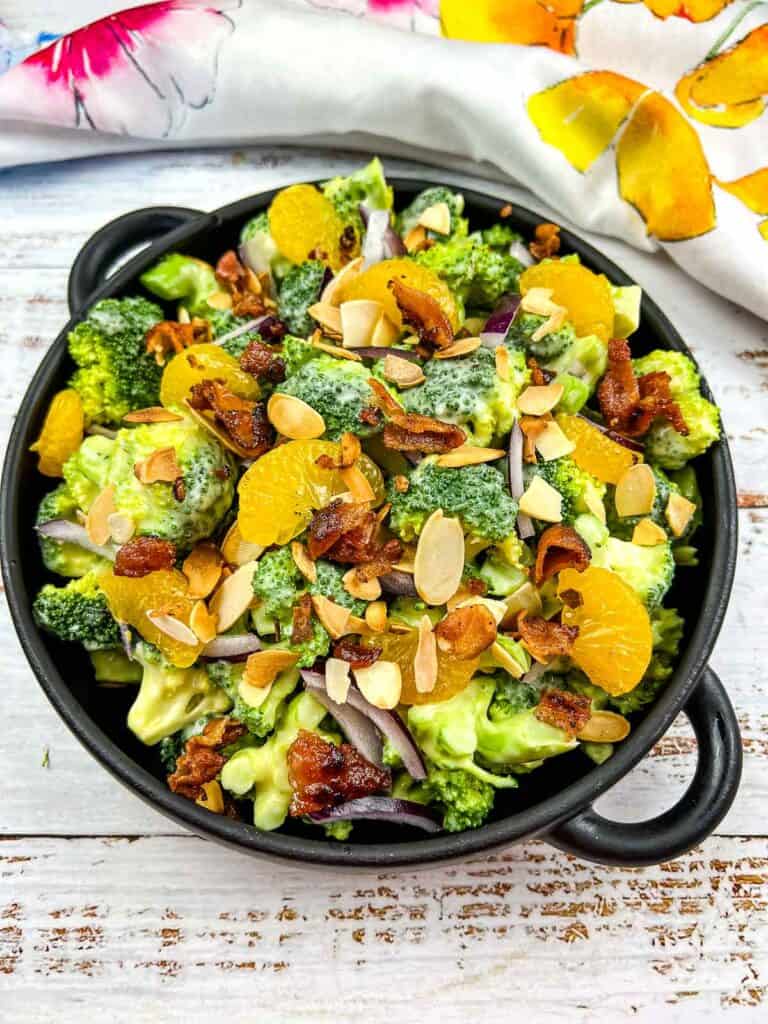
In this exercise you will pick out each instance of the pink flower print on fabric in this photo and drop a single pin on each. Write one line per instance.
(399, 13)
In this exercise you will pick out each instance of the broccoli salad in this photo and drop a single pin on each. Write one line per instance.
(376, 515)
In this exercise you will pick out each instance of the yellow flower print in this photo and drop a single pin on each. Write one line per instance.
(549, 23)
(730, 89)
(691, 10)
(752, 190)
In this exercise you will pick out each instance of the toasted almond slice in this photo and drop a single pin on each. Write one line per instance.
(416, 239)
(303, 562)
(538, 301)
(437, 218)
(328, 317)
(350, 450)
(202, 567)
(202, 623)
(541, 501)
(237, 551)
(469, 455)
(383, 512)
(501, 355)
(182, 315)
(595, 505)
(504, 659)
(97, 520)
(220, 300)
(538, 399)
(439, 561)
(212, 798)
(380, 683)
(333, 289)
(263, 667)
(332, 616)
(376, 616)
(234, 596)
(358, 484)
(384, 333)
(399, 627)
(334, 350)
(498, 609)
(153, 414)
(337, 679)
(425, 659)
(254, 696)
(293, 418)
(402, 372)
(554, 322)
(173, 627)
(121, 527)
(363, 590)
(525, 599)
(552, 442)
(678, 513)
(462, 347)
(648, 534)
(160, 467)
(604, 727)
(359, 318)
(635, 491)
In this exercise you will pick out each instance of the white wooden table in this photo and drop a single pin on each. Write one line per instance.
(106, 907)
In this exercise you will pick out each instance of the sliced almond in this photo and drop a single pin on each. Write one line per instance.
(359, 318)
(173, 627)
(237, 551)
(407, 559)
(538, 399)
(357, 483)
(525, 599)
(595, 505)
(554, 322)
(462, 347)
(212, 798)
(381, 684)
(541, 501)
(678, 513)
(202, 567)
(263, 667)
(552, 443)
(439, 561)
(635, 491)
(254, 696)
(363, 590)
(334, 350)
(648, 534)
(121, 527)
(416, 239)
(97, 520)
(234, 596)
(498, 609)
(604, 727)
(350, 450)
(501, 355)
(376, 616)
(539, 301)
(160, 467)
(333, 289)
(425, 659)
(332, 616)
(328, 317)
(437, 218)
(402, 372)
(504, 659)
(202, 623)
(294, 418)
(469, 455)
(182, 315)
(384, 333)
(153, 414)
(220, 300)
(337, 679)
(303, 562)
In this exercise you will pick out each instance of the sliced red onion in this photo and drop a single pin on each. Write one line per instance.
(96, 428)
(398, 584)
(357, 727)
(374, 248)
(516, 483)
(503, 314)
(614, 435)
(392, 243)
(232, 646)
(521, 252)
(413, 457)
(252, 325)
(73, 533)
(126, 639)
(382, 808)
(380, 352)
(492, 339)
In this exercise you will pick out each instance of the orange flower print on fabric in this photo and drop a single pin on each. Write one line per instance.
(549, 23)
(691, 10)
(729, 90)
(661, 166)
(752, 190)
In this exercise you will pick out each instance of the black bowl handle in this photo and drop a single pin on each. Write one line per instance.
(114, 242)
(696, 814)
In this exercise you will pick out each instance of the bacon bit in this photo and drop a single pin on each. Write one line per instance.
(544, 638)
(572, 598)
(356, 654)
(466, 632)
(567, 711)
(630, 404)
(560, 547)
(342, 529)
(170, 336)
(179, 488)
(349, 452)
(505, 211)
(143, 555)
(245, 422)
(382, 563)
(546, 243)
(539, 377)
(202, 760)
(386, 401)
(347, 241)
(476, 587)
(302, 620)
(420, 311)
(401, 484)
(411, 432)
(323, 775)
(262, 363)
(370, 415)
(246, 289)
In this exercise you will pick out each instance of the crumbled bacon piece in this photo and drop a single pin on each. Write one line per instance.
(345, 524)
(567, 711)
(202, 759)
(171, 337)
(358, 655)
(386, 556)
(370, 415)
(246, 422)
(347, 241)
(545, 638)
(410, 432)
(539, 377)
(476, 586)
(560, 547)
(247, 290)
(420, 311)
(263, 363)
(301, 630)
(143, 555)
(323, 775)
(546, 241)
(630, 404)
(466, 632)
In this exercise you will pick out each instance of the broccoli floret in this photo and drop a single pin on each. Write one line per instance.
(262, 248)
(299, 290)
(258, 720)
(511, 696)
(182, 278)
(598, 753)
(464, 800)
(477, 274)
(578, 369)
(409, 217)
(503, 570)
(278, 583)
(684, 377)
(366, 185)
(500, 236)
(667, 627)
(338, 830)
(115, 372)
(469, 392)
(551, 346)
(517, 653)
(476, 494)
(624, 526)
(648, 570)
(113, 666)
(411, 610)
(77, 613)
(59, 556)
(575, 485)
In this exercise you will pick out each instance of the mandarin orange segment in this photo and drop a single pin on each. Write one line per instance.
(595, 452)
(204, 362)
(615, 642)
(586, 296)
(373, 284)
(165, 591)
(453, 675)
(62, 432)
(303, 221)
